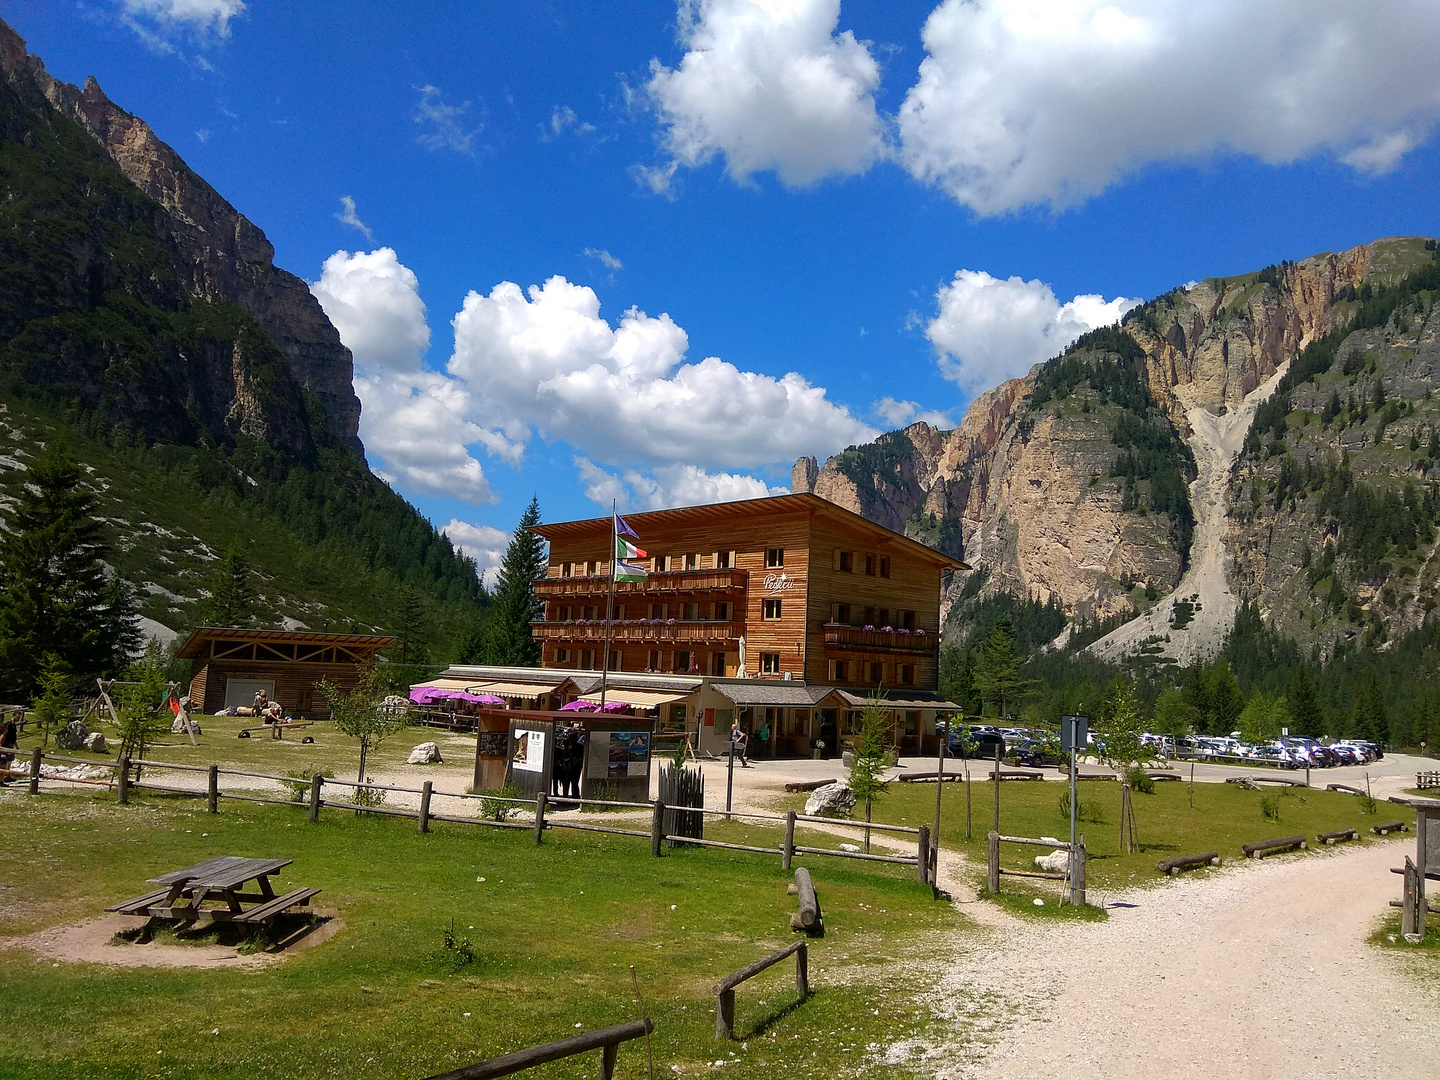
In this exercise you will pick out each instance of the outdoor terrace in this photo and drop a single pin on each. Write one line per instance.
(637, 630)
(670, 581)
(868, 639)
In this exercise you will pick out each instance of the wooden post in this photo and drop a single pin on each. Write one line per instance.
(212, 789)
(122, 781)
(425, 790)
(608, 1054)
(35, 771)
(922, 865)
(315, 781)
(541, 801)
(809, 903)
(996, 825)
(657, 827)
(789, 853)
(1078, 870)
(1409, 910)
(802, 970)
(994, 878)
(725, 1014)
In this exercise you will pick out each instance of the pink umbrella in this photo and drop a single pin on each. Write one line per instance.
(428, 695)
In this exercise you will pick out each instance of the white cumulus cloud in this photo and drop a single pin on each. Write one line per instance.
(899, 414)
(668, 486)
(989, 329)
(768, 84)
(544, 360)
(482, 543)
(415, 422)
(1023, 102)
(200, 16)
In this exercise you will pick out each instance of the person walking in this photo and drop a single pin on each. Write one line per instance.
(8, 740)
(738, 744)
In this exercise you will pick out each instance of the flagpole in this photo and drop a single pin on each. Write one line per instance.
(609, 608)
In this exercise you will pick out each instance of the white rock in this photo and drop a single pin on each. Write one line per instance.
(72, 736)
(849, 847)
(1057, 862)
(830, 800)
(95, 742)
(427, 753)
(178, 727)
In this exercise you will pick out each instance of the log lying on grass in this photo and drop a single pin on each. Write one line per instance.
(1162, 774)
(1173, 865)
(809, 785)
(1015, 774)
(1389, 827)
(808, 919)
(1260, 848)
(1331, 838)
(1345, 788)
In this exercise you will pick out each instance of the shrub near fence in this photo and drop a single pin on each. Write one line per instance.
(129, 778)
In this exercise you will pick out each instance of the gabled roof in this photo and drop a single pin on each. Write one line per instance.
(717, 513)
(193, 646)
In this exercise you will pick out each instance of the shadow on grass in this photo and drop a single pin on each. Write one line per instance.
(765, 1024)
(283, 932)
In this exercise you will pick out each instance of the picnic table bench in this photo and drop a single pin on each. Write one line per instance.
(1258, 849)
(220, 880)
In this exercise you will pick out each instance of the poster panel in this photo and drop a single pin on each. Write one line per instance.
(629, 754)
(529, 755)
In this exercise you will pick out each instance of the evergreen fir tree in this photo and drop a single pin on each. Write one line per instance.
(516, 605)
(407, 624)
(55, 597)
(997, 672)
(472, 646)
(1305, 707)
(231, 601)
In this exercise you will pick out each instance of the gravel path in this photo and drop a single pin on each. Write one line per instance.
(1259, 970)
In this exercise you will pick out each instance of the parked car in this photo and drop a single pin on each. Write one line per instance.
(977, 742)
(1036, 754)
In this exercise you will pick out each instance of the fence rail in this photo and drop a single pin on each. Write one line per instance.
(606, 1040)
(310, 795)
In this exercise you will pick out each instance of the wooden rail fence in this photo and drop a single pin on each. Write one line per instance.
(1076, 862)
(130, 776)
(606, 1040)
(725, 988)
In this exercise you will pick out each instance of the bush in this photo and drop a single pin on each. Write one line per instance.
(500, 804)
(298, 788)
(1140, 780)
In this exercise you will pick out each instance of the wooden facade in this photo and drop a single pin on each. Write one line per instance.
(812, 592)
(293, 661)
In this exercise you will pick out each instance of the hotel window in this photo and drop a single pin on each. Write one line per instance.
(907, 620)
(566, 613)
(566, 568)
(869, 565)
(659, 611)
(675, 720)
(694, 562)
(774, 558)
(690, 612)
(652, 662)
(562, 656)
(769, 663)
(591, 611)
(907, 674)
(724, 560)
(844, 561)
(724, 611)
(717, 664)
(617, 660)
(620, 612)
(874, 673)
(587, 659)
(840, 613)
(771, 607)
(884, 619)
(682, 661)
(884, 565)
(585, 568)
(839, 671)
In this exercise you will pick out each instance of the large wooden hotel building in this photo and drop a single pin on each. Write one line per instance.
(791, 609)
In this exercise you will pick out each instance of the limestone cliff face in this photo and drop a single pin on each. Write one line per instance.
(222, 255)
(1030, 492)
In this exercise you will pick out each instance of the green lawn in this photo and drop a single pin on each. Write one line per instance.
(1224, 817)
(554, 929)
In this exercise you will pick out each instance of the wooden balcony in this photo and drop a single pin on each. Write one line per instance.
(838, 636)
(671, 581)
(638, 630)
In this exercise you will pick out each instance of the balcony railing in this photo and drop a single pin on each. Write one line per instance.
(671, 581)
(859, 638)
(639, 630)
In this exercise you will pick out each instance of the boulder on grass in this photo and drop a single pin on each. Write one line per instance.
(832, 800)
(427, 753)
(72, 736)
(178, 727)
(95, 742)
(1057, 862)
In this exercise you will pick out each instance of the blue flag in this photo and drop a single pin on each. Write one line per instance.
(621, 529)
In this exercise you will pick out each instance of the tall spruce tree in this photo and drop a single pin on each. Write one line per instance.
(516, 606)
(56, 600)
(232, 600)
(997, 670)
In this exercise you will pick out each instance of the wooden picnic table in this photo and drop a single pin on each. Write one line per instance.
(222, 881)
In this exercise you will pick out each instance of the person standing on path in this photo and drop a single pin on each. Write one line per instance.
(764, 734)
(738, 743)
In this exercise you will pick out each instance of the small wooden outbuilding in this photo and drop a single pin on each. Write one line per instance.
(231, 663)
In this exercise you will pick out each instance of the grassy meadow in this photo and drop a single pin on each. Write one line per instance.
(554, 931)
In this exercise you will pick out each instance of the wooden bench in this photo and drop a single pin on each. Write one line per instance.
(1344, 787)
(1281, 780)
(266, 912)
(1389, 827)
(809, 785)
(1015, 774)
(1162, 774)
(1172, 866)
(1331, 838)
(141, 904)
(1260, 848)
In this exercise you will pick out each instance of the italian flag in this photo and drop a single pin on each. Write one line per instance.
(626, 550)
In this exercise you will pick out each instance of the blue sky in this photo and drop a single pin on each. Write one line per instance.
(789, 186)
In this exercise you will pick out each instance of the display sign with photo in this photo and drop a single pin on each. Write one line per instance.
(529, 753)
(629, 754)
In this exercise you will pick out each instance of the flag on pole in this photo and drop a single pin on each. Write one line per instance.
(625, 571)
(626, 550)
(621, 529)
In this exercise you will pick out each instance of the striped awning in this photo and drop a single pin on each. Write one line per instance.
(510, 689)
(641, 699)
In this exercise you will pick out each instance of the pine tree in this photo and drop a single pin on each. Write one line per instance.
(516, 605)
(1305, 707)
(231, 601)
(997, 673)
(55, 597)
(407, 624)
